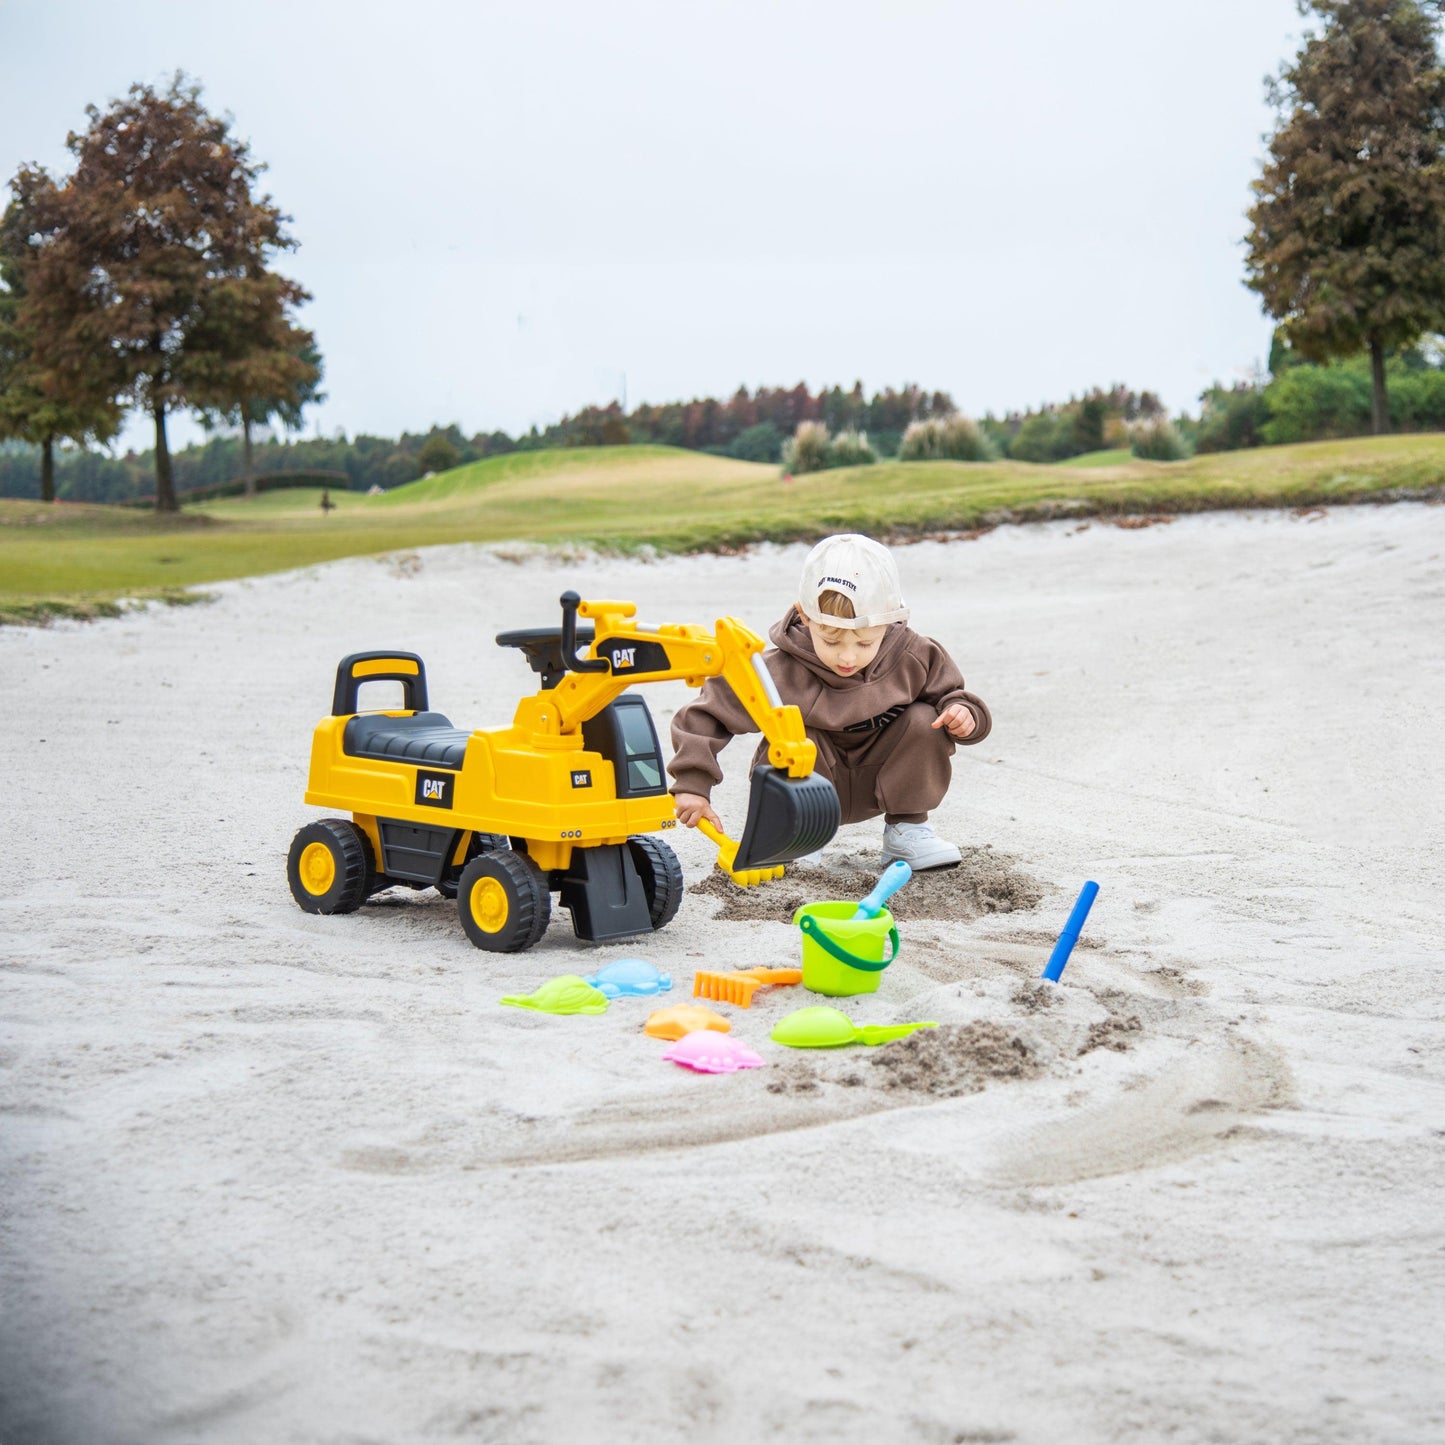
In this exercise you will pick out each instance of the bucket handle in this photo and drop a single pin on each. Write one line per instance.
(809, 925)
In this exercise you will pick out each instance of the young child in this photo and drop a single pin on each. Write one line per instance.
(884, 705)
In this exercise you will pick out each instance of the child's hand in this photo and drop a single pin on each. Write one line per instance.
(957, 718)
(691, 807)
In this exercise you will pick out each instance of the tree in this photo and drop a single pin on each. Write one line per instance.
(1087, 427)
(158, 256)
(250, 366)
(37, 405)
(760, 443)
(1347, 239)
(437, 454)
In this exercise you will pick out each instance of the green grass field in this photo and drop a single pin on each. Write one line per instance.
(73, 559)
(1118, 457)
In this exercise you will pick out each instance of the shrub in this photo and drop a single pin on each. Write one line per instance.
(1158, 441)
(920, 442)
(811, 449)
(1417, 399)
(1311, 402)
(997, 433)
(851, 449)
(1087, 428)
(397, 470)
(807, 449)
(437, 454)
(1233, 419)
(1044, 437)
(760, 443)
(940, 438)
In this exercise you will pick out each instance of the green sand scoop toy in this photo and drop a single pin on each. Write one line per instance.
(565, 995)
(821, 1027)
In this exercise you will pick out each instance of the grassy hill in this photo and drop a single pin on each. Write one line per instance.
(74, 559)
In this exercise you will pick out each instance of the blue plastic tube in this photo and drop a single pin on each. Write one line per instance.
(1070, 936)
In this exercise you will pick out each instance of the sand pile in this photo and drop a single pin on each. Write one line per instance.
(955, 1059)
(938, 1063)
(984, 882)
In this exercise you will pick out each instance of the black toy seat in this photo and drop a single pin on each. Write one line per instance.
(424, 737)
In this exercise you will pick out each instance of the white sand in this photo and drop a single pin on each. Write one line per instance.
(270, 1177)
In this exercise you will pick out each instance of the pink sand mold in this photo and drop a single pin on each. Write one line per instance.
(708, 1052)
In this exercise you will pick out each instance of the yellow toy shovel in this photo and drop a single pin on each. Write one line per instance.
(727, 852)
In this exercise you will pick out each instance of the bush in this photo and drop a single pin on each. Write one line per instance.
(1232, 420)
(851, 449)
(1158, 441)
(1311, 403)
(437, 454)
(1087, 428)
(1044, 437)
(811, 449)
(1308, 403)
(760, 443)
(1116, 433)
(920, 442)
(944, 438)
(1417, 398)
(997, 433)
(807, 449)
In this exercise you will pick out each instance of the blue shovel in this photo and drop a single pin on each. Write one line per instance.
(893, 877)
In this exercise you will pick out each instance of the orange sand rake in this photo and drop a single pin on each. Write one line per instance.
(740, 987)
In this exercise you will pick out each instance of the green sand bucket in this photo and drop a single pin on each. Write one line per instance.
(844, 954)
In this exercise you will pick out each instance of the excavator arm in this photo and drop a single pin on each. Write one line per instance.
(792, 810)
(624, 654)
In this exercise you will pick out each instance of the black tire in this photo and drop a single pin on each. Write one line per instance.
(480, 843)
(329, 867)
(661, 875)
(503, 902)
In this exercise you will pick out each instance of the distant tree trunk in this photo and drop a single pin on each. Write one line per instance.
(1380, 417)
(165, 488)
(47, 468)
(246, 451)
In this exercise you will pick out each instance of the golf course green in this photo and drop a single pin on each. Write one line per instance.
(76, 559)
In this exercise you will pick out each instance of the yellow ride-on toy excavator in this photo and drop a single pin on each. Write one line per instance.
(564, 801)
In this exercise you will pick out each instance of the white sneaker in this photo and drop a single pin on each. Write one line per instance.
(919, 846)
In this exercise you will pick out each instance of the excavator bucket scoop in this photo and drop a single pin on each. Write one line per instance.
(787, 817)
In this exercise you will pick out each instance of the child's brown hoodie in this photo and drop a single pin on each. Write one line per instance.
(849, 711)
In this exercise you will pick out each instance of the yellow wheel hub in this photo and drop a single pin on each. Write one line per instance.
(317, 869)
(488, 903)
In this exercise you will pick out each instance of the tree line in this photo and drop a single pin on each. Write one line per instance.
(1295, 401)
(143, 281)
(751, 426)
(748, 425)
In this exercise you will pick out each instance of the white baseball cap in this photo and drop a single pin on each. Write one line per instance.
(863, 571)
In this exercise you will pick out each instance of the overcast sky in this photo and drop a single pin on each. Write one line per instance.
(506, 211)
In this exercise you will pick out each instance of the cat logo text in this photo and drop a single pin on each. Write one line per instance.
(434, 790)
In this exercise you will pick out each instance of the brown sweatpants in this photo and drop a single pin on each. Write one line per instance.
(901, 771)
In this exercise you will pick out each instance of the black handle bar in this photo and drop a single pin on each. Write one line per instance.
(570, 659)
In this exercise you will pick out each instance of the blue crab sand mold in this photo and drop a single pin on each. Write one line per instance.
(630, 976)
